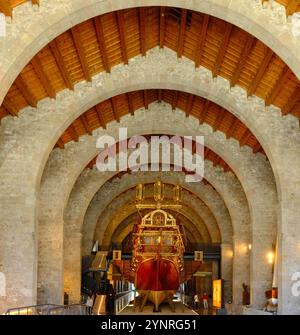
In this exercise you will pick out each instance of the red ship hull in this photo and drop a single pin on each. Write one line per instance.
(157, 275)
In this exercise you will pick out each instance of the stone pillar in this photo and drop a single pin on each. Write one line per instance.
(260, 270)
(289, 255)
(50, 263)
(72, 265)
(241, 268)
(226, 270)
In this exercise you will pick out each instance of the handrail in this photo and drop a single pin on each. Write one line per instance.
(30, 310)
(73, 309)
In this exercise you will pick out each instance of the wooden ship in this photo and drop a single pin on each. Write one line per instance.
(158, 248)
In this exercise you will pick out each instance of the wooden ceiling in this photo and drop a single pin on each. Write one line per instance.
(102, 42)
(7, 6)
(208, 155)
(207, 112)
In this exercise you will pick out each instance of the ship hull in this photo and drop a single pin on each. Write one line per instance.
(158, 279)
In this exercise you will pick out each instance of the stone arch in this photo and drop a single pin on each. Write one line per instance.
(265, 24)
(182, 123)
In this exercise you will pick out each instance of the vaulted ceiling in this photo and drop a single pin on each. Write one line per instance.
(207, 112)
(100, 43)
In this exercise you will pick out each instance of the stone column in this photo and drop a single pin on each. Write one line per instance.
(226, 270)
(241, 271)
(72, 265)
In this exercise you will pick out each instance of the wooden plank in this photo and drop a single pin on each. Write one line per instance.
(142, 27)
(81, 53)
(278, 86)
(35, 2)
(260, 73)
(181, 33)
(162, 24)
(222, 50)
(121, 24)
(242, 60)
(100, 116)
(101, 42)
(201, 40)
(37, 66)
(5, 8)
(22, 86)
(61, 64)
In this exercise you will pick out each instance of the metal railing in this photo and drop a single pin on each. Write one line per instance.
(42, 309)
(49, 309)
(75, 309)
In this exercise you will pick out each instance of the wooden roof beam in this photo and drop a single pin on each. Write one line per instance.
(232, 129)
(257, 147)
(245, 137)
(293, 100)
(101, 42)
(162, 24)
(61, 64)
(37, 66)
(6, 8)
(201, 41)
(160, 95)
(85, 124)
(100, 117)
(9, 106)
(242, 60)
(175, 100)
(142, 27)
(260, 73)
(130, 103)
(73, 133)
(146, 101)
(204, 111)
(292, 7)
(278, 86)
(115, 109)
(60, 143)
(222, 50)
(181, 33)
(189, 104)
(35, 2)
(218, 120)
(22, 86)
(80, 51)
(121, 25)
